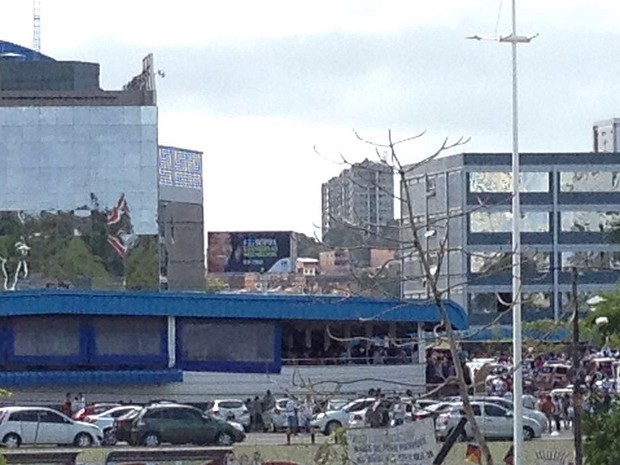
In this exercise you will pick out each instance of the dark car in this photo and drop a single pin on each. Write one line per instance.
(181, 424)
(122, 426)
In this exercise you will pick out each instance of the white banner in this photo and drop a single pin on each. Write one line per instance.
(412, 443)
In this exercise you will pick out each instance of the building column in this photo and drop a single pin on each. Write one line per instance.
(347, 337)
(392, 332)
(421, 344)
(172, 342)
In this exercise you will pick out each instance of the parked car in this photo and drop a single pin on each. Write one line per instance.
(279, 420)
(122, 426)
(40, 425)
(231, 409)
(431, 410)
(553, 375)
(494, 421)
(330, 420)
(93, 409)
(181, 424)
(509, 405)
(105, 421)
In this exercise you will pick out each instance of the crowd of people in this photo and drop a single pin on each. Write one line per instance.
(263, 411)
(356, 352)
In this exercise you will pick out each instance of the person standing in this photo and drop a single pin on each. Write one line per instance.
(66, 406)
(291, 415)
(257, 414)
(268, 406)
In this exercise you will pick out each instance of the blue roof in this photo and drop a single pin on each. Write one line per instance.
(248, 306)
(11, 51)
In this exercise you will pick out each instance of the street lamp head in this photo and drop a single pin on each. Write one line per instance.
(601, 320)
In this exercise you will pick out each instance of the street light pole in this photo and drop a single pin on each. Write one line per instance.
(576, 374)
(517, 342)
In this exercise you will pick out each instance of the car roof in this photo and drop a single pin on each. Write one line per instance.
(227, 400)
(119, 407)
(17, 408)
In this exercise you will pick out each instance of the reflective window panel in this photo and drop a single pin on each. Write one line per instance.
(501, 181)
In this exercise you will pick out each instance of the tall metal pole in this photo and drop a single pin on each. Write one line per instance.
(517, 354)
(517, 343)
(576, 374)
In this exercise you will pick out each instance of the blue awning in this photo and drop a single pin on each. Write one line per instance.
(243, 306)
(83, 377)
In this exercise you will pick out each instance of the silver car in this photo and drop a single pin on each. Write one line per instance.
(494, 421)
(329, 421)
(509, 405)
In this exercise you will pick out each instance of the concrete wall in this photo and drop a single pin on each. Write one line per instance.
(198, 387)
(182, 232)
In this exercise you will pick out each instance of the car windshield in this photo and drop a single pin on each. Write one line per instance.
(357, 405)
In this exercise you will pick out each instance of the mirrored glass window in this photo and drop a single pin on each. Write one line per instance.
(568, 301)
(489, 302)
(490, 262)
(501, 181)
(589, 221)
(536, 300)
(497, 222)
(589, 260)
(590, 181)
(535, 261)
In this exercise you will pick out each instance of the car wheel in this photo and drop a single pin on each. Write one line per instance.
(109, 437)
(151, 440)
(83, 440)
(332, 426)
(224, 439)
(12, 441)
(528, 433)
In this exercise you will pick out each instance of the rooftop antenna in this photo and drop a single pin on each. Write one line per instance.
(36, 25)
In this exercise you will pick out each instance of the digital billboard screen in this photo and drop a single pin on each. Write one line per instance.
(242, 252)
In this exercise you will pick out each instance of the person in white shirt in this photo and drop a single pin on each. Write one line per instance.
(291, 415)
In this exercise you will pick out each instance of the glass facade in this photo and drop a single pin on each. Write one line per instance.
(490, 262)
(489, 302)
(590, 181)
(589, 221)
(590, 260)
(501, 222)
(536, 300)
(78, 206)
(501, 181)
(501, 262)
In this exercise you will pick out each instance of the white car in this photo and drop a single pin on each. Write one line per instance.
(494, 421)
(279, 418)
(40, 425)
(105, 421)
(231, 409)
(330, 420)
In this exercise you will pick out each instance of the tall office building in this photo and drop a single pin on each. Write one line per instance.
(362, 196)
(79, 186)
(570, 204)
(606, 135)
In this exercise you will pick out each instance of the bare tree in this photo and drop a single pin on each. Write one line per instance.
(410, 242)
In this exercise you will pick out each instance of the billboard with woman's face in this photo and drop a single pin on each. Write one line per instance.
(259, 252)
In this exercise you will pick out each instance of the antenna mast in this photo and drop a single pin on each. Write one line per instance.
(36, 25)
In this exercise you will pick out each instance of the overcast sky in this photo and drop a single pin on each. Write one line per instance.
(256, 85)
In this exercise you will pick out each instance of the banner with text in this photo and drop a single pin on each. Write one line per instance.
(409, 444)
